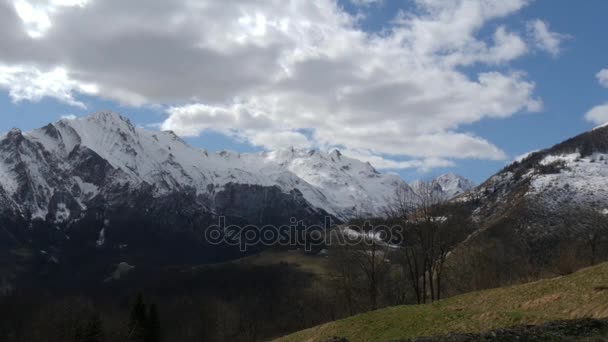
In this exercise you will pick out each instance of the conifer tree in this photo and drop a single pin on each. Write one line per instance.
(153, 327)
(138, 321)
(93, 332)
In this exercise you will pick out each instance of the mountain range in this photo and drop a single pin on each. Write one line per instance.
(99, 190)
(57, 172)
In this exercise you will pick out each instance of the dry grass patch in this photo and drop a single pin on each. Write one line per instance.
(568, 297)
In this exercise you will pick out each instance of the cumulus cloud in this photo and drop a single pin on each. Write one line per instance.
(36, 14)
(29, 83)
(544, 38)
(265, 72)
(598, 114)
(602, 77)
(423, 165)
(278, 140)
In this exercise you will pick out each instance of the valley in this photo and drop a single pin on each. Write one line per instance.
(97, 213)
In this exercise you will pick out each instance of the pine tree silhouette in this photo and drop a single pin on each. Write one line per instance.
(93, 332)
(153, 326)
(138, 321)
(144, 324)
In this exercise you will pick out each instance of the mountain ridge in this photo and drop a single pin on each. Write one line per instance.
(543, 215)
(123, 154)
(87, 157)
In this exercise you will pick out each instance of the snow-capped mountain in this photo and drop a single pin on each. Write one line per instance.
(572, 173)
(448, 185)
(58, 171)
(541, 214)
(453, 185)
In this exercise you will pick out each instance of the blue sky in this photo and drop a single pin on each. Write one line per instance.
(566, 83)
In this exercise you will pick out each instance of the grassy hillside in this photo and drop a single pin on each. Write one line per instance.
(317, 265)
(582, 294)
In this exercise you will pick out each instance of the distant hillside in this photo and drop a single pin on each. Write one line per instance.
(580, 295)
(539, 217)
(571, 172)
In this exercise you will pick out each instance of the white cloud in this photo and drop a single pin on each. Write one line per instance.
(278, 140)
(598, 114)
(544, 38)
(267, 71)
(602, 77)
(31, 84)
(381, 162)
(35, 14)
(35, 20)
(69, 117)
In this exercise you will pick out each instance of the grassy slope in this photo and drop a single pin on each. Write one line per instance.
(317, 265)
(582, 294)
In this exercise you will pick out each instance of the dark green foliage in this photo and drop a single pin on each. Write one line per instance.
(144, 323)
(153, 325)
(138, 320)
(93, 331)
(551, 168)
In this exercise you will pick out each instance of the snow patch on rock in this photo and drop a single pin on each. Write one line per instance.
(582, 180)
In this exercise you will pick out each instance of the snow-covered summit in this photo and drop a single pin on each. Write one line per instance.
(601, 126)
(454, 185)
(571, 173)
(449, 185)
(87, 157)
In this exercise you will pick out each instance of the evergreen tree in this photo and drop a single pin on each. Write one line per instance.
(138, 321)
(93, 332)
(78, 333)
(153, 326)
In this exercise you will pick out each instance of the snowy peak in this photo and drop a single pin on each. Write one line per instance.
(91, 157)
(449, 185)
(454, 185)
(348, 185)
(571, 173)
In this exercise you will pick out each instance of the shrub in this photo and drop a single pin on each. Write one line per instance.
(551, 168)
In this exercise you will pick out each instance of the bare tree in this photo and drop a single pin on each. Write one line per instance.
(431, 230)
(592, 225)
(372, 260)
(346, 277)
(362, 261)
